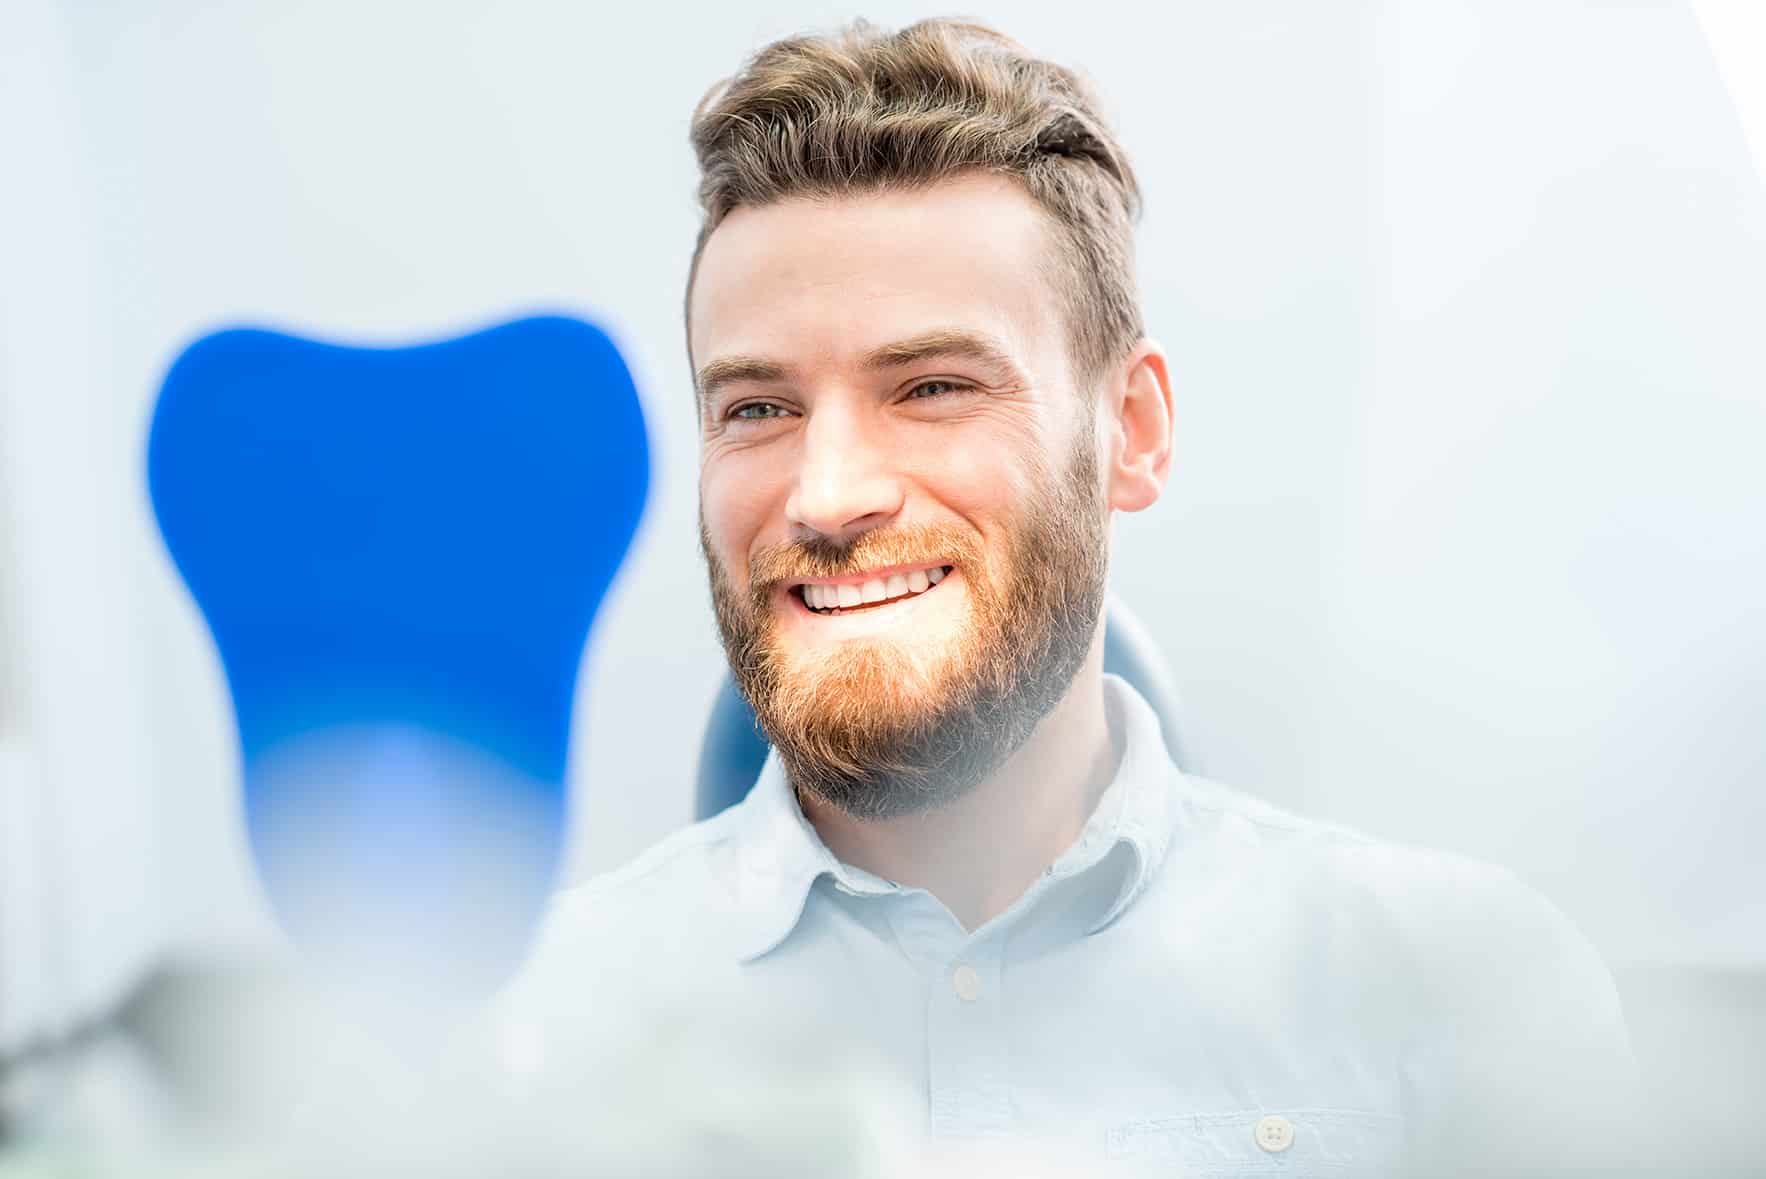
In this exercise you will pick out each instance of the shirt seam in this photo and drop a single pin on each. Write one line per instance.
(651, 862)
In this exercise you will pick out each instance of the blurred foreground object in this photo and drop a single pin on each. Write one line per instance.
(399, 553)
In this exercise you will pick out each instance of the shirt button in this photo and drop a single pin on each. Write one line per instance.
(1274, 1133)
(966, 980)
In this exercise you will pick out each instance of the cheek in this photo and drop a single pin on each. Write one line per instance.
(983, 480)
(740, 496)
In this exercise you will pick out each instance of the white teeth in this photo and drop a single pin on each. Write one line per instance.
(822, 596)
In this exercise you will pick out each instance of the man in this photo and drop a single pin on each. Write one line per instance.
(970, 886)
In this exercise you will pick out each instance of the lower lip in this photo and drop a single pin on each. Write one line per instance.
(874, 608)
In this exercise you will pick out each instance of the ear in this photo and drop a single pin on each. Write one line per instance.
(1136, 427)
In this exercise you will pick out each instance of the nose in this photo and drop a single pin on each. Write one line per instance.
(846, 480)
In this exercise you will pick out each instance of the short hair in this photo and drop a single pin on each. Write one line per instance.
(862, 110)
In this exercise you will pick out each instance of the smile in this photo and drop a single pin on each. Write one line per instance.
(868, 591)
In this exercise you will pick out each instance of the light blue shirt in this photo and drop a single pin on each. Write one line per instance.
(1202, 984)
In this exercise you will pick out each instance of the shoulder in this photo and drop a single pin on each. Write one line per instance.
(1449, 917)
(628, 940)
(685, 876)
(1481, 979)
(1508, 1030)
(671, 867)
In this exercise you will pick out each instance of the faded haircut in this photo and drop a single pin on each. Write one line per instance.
(862, 110)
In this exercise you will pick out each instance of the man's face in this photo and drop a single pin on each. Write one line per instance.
(899, 495)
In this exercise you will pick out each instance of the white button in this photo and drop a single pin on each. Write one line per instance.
(967, 981)
(1274, 1133)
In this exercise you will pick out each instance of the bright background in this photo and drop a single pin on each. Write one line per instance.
(1464, 543)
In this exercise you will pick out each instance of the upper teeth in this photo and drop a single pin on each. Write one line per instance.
(820, 596)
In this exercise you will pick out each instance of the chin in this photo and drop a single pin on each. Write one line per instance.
(870, 683)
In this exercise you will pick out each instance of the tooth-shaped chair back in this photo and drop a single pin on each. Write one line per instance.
(399, 553)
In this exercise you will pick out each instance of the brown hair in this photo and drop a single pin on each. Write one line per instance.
(860, 110)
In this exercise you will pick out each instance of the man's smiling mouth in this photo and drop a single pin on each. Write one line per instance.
(849, 595)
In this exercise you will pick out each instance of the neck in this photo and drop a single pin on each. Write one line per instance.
(979, 853)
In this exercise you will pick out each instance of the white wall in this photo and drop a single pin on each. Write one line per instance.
(1461, 302)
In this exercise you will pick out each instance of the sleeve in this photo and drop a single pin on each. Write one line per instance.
(1520, 1063)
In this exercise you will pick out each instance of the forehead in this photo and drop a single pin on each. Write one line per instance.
(812, 281)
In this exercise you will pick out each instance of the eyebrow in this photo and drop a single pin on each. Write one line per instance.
(730, 370)
(940, 344)
(937, 344)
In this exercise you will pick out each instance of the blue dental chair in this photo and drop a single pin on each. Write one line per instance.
(734, 748)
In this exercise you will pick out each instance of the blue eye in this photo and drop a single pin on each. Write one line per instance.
(757, 411)
(918, 392)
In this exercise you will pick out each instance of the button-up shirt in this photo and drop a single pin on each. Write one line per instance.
(1202, 984)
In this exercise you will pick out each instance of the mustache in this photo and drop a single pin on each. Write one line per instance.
(822, 556)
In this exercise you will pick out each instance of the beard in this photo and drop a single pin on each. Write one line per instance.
(880, 726)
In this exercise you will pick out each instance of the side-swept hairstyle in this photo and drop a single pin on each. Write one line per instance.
(862, 110)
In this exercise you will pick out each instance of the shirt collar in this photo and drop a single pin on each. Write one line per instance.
(780, 856)
(1146, 783)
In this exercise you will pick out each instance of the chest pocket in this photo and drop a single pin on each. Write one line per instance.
(1291, 1142)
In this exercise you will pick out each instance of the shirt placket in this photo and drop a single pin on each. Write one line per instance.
(968, 1085)
(967, 1060)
